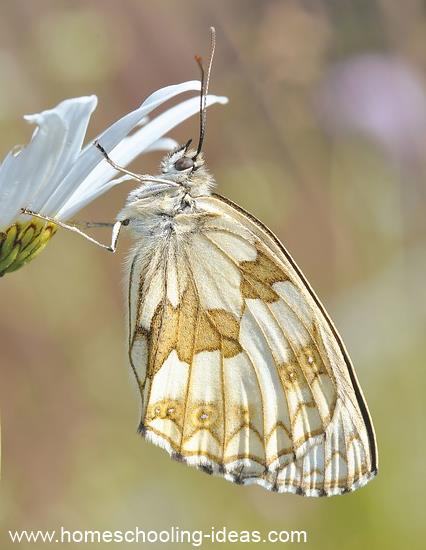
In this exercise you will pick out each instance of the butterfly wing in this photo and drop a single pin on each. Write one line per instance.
(241, 371)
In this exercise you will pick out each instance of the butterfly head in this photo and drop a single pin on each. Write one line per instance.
(180, 163)
(186, 167)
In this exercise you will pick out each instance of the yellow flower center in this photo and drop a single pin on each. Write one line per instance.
(21, 242)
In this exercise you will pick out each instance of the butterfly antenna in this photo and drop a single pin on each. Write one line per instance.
(205, 80)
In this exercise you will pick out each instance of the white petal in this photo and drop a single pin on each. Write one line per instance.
(100, 180)
(76, 114)
(33, 173)
(130, 148)
(162, 144)
(90, 156)
(19, 173)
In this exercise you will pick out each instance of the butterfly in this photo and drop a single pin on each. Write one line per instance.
(240, 369)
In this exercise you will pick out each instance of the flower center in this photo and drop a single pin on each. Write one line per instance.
(21, 242)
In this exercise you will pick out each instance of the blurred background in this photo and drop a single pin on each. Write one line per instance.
(324, 139)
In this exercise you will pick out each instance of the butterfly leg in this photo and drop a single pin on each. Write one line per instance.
(239, 480)
(88, 225)
(114, 236)
(275, 485)
(114, 164)
(144, 178)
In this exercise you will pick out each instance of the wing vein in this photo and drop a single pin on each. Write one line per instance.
(133, 335)
(156, 343)
(261, 397)
(222, 374)
(297, 315)
(188, 387)
(292, 309)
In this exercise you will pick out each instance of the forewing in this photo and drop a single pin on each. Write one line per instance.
(241, 371)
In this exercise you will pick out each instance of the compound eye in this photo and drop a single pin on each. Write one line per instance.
(184, 163)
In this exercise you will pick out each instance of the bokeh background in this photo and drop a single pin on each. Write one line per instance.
(324, 139)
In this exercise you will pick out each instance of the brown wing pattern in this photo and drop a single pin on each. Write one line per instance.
(241, 372)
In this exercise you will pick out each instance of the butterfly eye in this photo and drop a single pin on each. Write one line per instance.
(184, 163)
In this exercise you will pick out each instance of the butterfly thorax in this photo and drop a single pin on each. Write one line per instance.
(160, 207)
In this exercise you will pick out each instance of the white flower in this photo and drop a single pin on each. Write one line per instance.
(54, 176)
